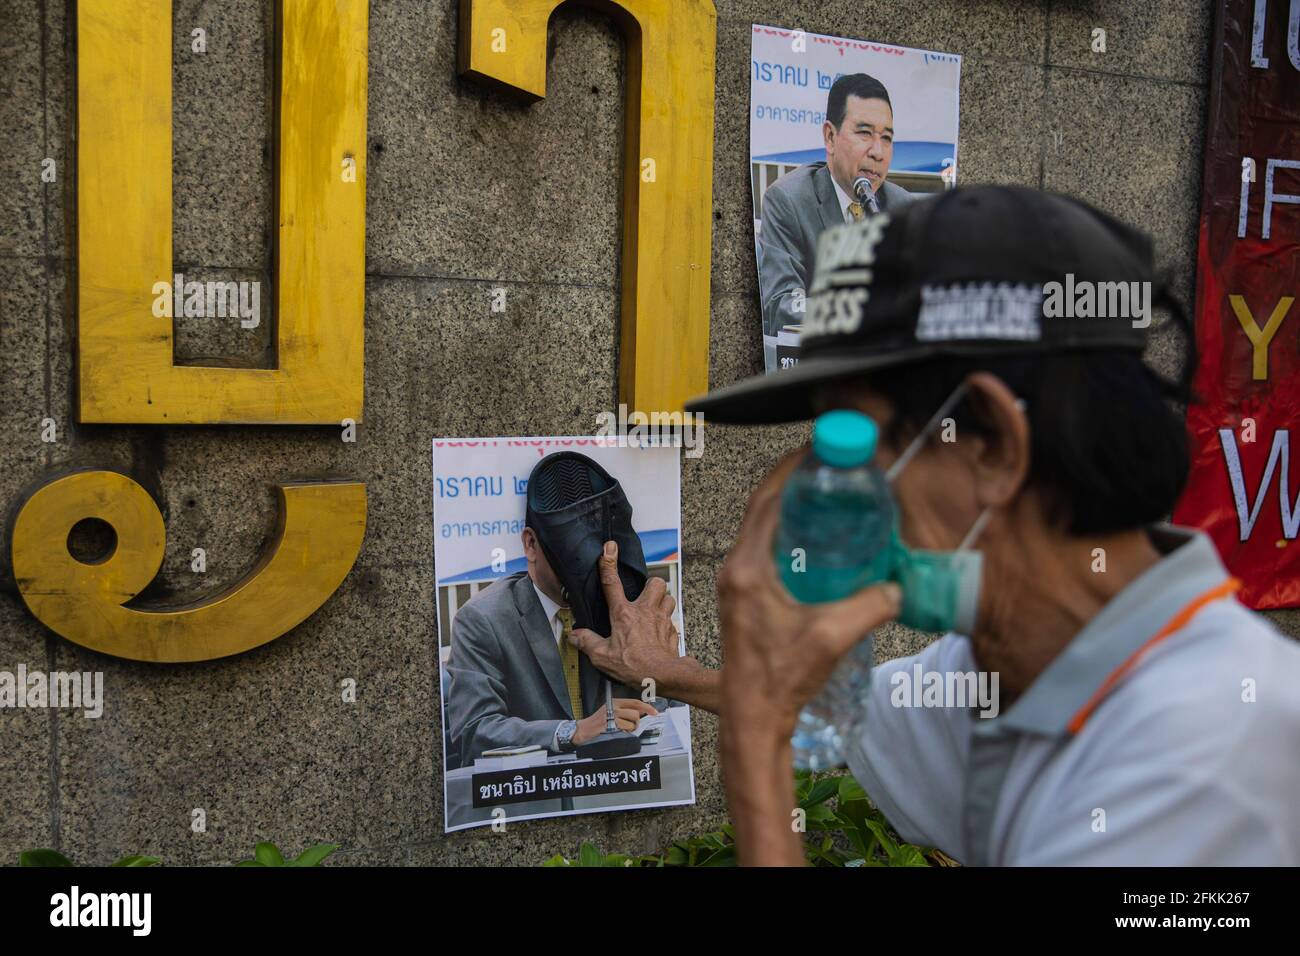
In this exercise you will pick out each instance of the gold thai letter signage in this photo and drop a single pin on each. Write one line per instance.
(667, 172)
(124, 224)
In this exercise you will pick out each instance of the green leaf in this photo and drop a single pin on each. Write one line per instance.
(855, 811)
(137, 861)
(726, 857)
(823, 855)
(850, 789)
(803, 782)
(859, 837)
(313, 855)
(676, 856)
(557, 860)
(886, 841)
(853, 815)
(821, 791)
(821, 817)
(908, 855)
(43, 858)
(268, 854)
(700, 856)
(589, 856)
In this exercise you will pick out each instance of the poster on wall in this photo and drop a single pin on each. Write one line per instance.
(1240, 489)
(530, 727)
(839, 130)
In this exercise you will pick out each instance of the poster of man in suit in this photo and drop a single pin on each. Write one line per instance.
(530, 727)
(840, 130)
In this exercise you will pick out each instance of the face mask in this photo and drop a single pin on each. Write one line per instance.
(941, 589)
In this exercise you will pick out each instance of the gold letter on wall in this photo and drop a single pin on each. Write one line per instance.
(667, 172)
(319, 535)
(124, 224)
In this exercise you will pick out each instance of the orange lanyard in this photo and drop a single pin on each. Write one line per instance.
(1175, 623)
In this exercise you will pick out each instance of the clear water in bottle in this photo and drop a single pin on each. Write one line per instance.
(833, 540)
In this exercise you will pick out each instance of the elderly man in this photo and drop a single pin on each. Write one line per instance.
(1146, 717)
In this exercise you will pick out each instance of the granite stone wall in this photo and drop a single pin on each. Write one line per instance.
(466, 191)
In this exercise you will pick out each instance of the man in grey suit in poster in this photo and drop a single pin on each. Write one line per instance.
(859, 137)
(515, 677)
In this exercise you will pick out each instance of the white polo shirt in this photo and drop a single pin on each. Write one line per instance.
(1167, 733)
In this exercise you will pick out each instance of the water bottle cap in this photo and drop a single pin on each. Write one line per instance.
(844, 438)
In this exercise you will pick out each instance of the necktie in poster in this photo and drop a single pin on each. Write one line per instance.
(1240, 489)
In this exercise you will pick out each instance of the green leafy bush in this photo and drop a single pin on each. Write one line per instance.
(842, 828)
(268, 854)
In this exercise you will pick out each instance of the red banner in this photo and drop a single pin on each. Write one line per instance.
(1243, 489)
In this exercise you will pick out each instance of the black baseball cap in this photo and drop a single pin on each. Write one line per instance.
(968, 272)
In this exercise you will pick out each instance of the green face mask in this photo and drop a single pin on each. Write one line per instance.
(941, 589)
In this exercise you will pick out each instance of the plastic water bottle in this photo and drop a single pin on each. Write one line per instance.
(833, 540)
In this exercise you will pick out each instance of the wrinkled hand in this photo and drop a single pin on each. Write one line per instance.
(642, 637)
(779, 653)
(627, 714)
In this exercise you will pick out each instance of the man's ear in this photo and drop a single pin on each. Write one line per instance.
(529, 538)
(1002, 457)
(828, 133)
